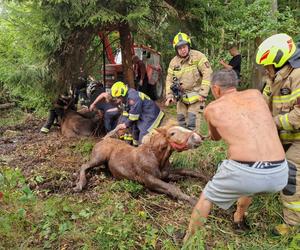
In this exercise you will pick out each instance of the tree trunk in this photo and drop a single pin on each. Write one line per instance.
(71, 57)
(126, 45)
(7, 105)
(274, 8)
(257, 71)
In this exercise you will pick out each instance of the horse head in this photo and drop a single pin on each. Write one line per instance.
(175, 137)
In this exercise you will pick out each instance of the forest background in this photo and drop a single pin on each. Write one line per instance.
(44, 43)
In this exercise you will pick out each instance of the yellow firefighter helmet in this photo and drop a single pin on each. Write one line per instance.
(119, 89)
(275, 50)
(181, 39)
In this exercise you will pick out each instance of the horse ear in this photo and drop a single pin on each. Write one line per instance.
(161, 130)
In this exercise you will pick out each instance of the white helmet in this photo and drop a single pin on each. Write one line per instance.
(91, 88)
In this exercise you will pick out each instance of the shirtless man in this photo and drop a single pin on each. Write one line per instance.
(256, 160)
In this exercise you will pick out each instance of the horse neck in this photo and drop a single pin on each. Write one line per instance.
(162, 155)
(165, 157)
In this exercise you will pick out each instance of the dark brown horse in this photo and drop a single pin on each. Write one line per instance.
(147, 164)
(74, 124)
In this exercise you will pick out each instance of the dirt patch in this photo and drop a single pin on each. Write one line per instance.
(48, 162)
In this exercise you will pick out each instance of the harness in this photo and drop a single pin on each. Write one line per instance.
(181, 146)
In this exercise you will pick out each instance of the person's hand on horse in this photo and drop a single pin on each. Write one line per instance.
(92, 107)
(121, 126)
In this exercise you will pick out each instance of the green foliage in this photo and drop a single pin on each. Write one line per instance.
(44, 38)
(115, 230)
(132, 187)
(196, 242)
(37, 41)
(258, 20)
(14, 117)
(10, 179)
(84, 147)
(17, 197)
(23, 68)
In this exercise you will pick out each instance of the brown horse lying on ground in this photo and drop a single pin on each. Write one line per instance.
(82, 123)
(147, 164)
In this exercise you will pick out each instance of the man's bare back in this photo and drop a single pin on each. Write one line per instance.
(244, 121)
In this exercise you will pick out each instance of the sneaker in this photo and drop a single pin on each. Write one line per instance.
(44, 130)
(281, 229)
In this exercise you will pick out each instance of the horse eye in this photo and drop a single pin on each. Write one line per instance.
(173, 133)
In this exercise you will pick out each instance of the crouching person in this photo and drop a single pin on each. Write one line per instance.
(56, 112)
(256, 160)
(143, 114)
(100, 101)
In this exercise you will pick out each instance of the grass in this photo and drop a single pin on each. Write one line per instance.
(114, 220)
(12, 117)
(124, 215)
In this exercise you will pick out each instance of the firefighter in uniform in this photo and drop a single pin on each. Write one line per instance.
(188, 82)
(281, 58)
(141, 114)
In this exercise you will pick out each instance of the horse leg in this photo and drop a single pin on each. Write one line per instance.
(82, 177)
(160, 186)
(175, 173)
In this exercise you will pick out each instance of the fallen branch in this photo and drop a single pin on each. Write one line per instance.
(7, 105)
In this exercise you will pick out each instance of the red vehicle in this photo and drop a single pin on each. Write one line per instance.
(152, 59)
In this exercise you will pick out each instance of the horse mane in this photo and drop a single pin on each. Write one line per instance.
(162, 130)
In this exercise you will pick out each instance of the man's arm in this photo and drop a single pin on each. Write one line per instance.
(291, 120)
(267, 91)
(226, 65)
(134, 111)
(213, 132)
(99, 98)
(169, 80)
(206, 71)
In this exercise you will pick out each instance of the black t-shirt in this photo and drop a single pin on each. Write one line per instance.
(235, 62)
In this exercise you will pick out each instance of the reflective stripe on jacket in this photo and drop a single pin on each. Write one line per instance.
(142, 110)
(293, 205)
(285, 103)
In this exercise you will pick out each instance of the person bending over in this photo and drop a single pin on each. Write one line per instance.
(256, 160)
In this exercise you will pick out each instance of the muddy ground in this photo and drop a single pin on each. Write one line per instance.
(50, 163)
(49, 156)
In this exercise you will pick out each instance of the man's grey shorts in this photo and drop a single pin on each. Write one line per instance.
(233, 180)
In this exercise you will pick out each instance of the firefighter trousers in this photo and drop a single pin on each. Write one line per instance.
(188, 115)
(290, 195)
